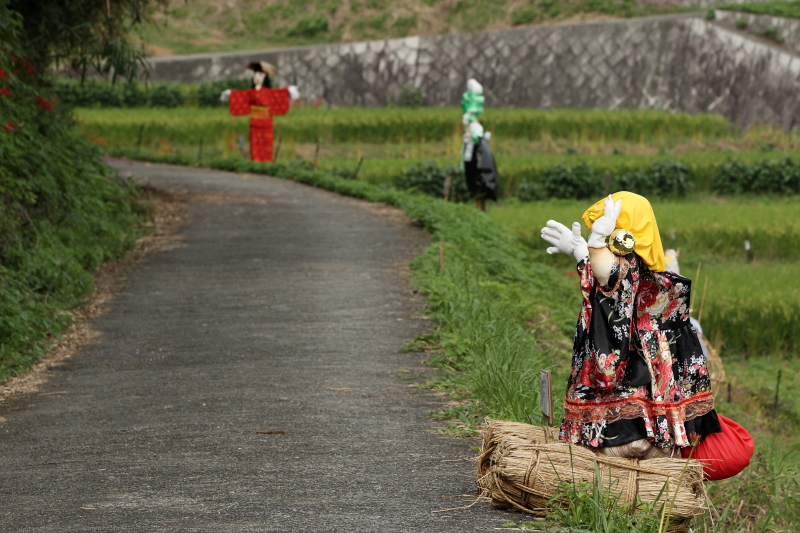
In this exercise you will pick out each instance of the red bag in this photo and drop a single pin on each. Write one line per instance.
(723, 454)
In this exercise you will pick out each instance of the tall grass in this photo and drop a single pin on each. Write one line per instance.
(501, 315)
(338, 125)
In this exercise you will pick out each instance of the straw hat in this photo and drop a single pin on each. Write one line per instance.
(262, 66)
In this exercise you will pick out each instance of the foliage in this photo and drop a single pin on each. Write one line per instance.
(430, 179)
(83, 33)
(580, 181)
(62, 213)
(780, 176)
(410, 97)
(99, 94)
(500, 312)
(247, 25)
(424, 124)
(776, 9)
(165, 95)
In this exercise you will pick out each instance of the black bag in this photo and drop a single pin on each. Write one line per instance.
(481, 172)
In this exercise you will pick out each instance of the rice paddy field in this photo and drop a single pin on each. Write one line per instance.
(747, 299)
(748, 303)
(387, 141)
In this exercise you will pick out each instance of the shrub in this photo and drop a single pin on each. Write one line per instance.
(665, 179)
(62, 212)
(133, 95)
(781, 176)
(523, 15)
(581, 181)
(308, 27)
(164, 95)
(410, 96)
(430, 179)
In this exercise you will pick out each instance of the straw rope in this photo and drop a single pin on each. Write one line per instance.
(524, 467)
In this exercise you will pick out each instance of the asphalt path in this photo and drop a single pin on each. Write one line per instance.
(283, 310)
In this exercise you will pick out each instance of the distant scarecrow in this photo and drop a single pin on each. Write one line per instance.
(261, 103)
(476, 155)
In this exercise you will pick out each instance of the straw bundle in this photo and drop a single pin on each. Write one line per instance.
(527, 473)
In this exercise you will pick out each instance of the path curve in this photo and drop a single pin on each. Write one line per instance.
(283, 310)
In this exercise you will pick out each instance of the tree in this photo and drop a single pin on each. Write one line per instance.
(86, 34)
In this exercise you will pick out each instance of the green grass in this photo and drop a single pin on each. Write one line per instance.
(219, 25)
(382, 125)
(502, 314)
(776, 9)
(750, 307)
(526, 142)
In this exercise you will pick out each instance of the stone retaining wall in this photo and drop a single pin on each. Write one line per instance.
(680, 63)
(788, 29)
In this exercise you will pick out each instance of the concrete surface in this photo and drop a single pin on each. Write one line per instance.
(284, 310)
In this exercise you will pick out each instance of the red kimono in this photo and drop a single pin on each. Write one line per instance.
(261, 104)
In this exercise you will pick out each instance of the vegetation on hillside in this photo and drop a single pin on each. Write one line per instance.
(62, 212)
(221, 25)
(790, 9)
(503, 313)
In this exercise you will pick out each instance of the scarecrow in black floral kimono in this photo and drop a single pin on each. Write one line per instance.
(639, 385)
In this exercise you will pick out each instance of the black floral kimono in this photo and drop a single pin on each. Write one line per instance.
(638, 370)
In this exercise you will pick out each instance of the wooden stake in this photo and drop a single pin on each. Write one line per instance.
(702, 300)
(447, 182)
(277, 149)
(546, 396)
(316, 156)
(441, 258)
(360, 160)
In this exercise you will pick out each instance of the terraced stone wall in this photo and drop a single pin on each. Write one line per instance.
(682, 63)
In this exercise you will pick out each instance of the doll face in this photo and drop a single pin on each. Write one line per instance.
(258, 79)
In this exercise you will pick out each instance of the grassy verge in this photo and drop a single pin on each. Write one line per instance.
(502, 314)
(776, 9)
(216, 25)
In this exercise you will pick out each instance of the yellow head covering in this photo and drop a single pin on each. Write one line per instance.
(637, 217)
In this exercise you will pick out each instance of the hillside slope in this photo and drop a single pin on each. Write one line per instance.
(190, 26)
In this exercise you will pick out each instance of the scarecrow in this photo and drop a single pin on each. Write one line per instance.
(476, 155)
(262, 102)
(639, 386)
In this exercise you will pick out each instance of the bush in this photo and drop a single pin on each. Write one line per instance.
(62, 212)
(308, 27)
(410, 96)
(430, 179)
(581, 181)
(523, 15)
(164, 95)
(665, 179)
(133, 95)
(207, 94)
(781, 176)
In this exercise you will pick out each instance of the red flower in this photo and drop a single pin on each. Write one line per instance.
(44, 103)
(5, 92)
(647, 295)
(9, 126)
(643, 322)
(2, 73)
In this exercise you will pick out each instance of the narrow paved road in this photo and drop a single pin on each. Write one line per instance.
(283, 310)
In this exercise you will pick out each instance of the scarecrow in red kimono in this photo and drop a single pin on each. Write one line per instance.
(262, 102)
(639, 385)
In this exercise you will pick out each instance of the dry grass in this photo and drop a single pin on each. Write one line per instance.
(168, 214)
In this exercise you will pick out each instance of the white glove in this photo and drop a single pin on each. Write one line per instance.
(603, 226)
(476, 129)
(294, 92)
(564, 240)
(466, 118)
(225, 96)
(469, 146)
(487, 135)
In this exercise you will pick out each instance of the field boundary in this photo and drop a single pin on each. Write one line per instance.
(673, 62)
